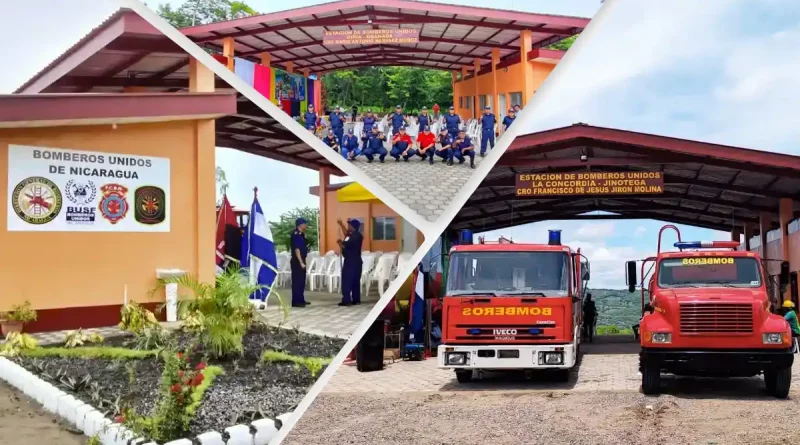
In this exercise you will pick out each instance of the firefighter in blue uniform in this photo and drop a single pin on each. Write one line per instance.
(373, 143)
(397, 119)
(350, 146)
(352, 264)
(298, 263)
(488, 121)
(509, 119)
(402, 145)
(463, 147)
(337, 123)
(445, 150)
(369, 122)
(424, 119)
(332, 141)
(451, 122)
(310, 119)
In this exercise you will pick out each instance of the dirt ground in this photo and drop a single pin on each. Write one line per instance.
(22, 420)
(518, 417)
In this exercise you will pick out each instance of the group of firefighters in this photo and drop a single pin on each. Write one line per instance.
(452, 143)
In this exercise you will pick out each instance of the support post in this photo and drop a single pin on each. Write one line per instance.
(764, 225)
(748, 235)
(228, 50)
(476, 66)
(266, 59)
(495, 94)
(324, 181)
(525, 45)
(786, 212)
(290, 67)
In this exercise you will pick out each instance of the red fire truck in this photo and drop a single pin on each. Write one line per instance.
(709, 314)
(512, 306)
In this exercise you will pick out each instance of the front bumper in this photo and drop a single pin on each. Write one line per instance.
(507, 356)
(731, 362)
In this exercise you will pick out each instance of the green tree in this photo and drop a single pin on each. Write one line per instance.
(222, 185)
(565, 44)
(201, 12)
(283, 228)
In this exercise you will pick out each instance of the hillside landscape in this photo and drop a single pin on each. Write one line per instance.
(617, 308)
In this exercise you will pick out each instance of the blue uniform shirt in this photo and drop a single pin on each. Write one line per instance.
(352, 247)
(373, 141)
(451, 121)
(310, 119)
(465, 143)
(298, 242)
(488, 121)
(336, 120)
(397, 120)
(445, 141)
(330, 142)
(350, 141)
(507, 121)
(368, 123)
(424, 121)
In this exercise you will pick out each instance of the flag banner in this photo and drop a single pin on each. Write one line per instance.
(245, 69)
(416, 321)
(260, 253)
(229, 237)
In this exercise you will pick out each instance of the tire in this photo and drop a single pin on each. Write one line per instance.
(783, 382)
(464, 376)
(651, 380)
(561, 375)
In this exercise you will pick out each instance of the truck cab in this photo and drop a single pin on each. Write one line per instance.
(708, 313)
(512, 306)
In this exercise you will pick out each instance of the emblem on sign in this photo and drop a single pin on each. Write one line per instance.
(114, 205)
(150, 205)
(80, 192)
(36, 200)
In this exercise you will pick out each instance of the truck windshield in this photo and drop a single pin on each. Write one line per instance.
(709, 272)
(509, 273)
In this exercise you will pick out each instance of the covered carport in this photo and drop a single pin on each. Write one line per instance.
(743, 191)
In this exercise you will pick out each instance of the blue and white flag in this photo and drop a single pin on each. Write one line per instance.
(258, 253)
(417, 313)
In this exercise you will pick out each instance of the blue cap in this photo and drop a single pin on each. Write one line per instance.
(350, 131)
(425, 128)
(354, 223)
(299, 222)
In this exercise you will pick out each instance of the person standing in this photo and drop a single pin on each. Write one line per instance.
(352, 264)
(337, 123)
(397, 119)
(589, 317)
(424, 119)
(355, 113)
(299, 247)
(452, 122)
(791, 317)
(435, 111)
(509, 119)
(488, 122)
(369, 122)
(310, 119)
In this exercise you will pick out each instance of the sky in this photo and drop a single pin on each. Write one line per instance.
(722, 71)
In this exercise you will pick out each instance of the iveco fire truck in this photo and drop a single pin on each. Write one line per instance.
(709, 314)
(511, 306)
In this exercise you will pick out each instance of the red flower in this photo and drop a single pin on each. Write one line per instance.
(200, 366)
(198, 379)
(119, 419)
(179, 355)
(176, 387)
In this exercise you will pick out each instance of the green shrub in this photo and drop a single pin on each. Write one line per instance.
(22, 312)
(106, 352)
(18, 343)
(77, 338)
(314, 365)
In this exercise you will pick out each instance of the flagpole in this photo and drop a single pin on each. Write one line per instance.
(253, 273)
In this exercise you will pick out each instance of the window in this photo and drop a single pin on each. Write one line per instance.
(509, 273)
(710, 271)
(516, 99)
(483, 101)
(461, 102)
(384, 228)
(469, 103)
(503, 104)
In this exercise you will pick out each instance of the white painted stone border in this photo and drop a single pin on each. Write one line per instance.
(92, 422)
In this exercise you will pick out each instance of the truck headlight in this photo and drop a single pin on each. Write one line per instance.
(456, 358)
(551, 358)
(661, 337)
(772, 339)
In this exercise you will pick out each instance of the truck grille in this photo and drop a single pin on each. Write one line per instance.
(716, 318)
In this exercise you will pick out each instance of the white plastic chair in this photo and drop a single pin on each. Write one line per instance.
(319, 276)
(402, 260)
(284, 269)
(333, 275)
(382, 273)
(315, 269)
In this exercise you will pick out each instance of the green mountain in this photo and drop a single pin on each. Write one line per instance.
(617, 307)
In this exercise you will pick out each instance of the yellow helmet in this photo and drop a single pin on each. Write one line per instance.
(788, 304)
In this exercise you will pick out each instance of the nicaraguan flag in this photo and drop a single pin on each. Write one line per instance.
(417, 312)
(258, 252)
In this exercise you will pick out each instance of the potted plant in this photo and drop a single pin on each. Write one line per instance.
(13, 320)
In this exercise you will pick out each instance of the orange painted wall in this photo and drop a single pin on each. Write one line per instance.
(365, 210)
(73, 269)
(509, 80)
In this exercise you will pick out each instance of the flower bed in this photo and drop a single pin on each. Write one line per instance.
(270, 376)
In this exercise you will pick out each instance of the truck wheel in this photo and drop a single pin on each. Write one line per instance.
(651, 380)
(782, 382)
(464, 376)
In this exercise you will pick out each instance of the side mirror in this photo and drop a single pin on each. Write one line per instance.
(630, 275)
(648, 308)
(784, 277)
(585, 271)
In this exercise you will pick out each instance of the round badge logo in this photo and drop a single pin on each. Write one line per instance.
(80, 192)
(36, 200)
(150, 205)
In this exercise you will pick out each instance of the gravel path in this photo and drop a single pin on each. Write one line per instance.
(590, 418)
(22, 420)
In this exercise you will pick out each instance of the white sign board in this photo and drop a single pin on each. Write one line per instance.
(58, 190)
